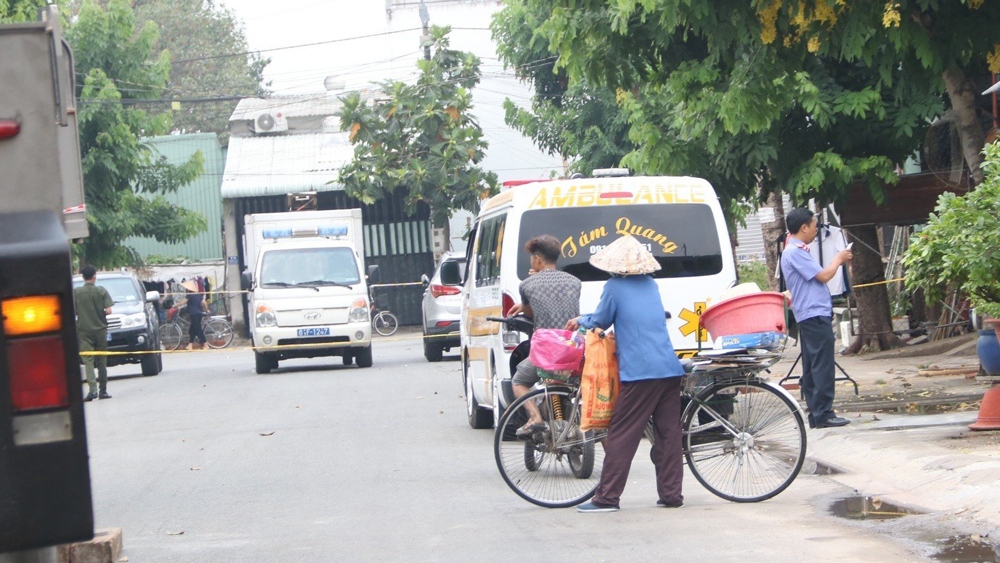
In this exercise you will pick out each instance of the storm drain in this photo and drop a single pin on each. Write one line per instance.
(868, 508)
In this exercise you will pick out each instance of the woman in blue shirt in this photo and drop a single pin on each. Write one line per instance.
(649, 371)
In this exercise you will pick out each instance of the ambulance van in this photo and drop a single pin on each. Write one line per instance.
(678, 219)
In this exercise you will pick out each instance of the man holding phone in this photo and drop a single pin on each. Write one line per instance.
(813, 308)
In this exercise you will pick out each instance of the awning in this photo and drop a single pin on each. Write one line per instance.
(267, 165)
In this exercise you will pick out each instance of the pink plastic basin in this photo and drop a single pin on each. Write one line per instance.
(756, 312)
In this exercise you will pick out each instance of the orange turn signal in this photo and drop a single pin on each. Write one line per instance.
(35, 314)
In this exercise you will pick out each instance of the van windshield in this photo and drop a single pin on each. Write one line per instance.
(308, 266)
(683, 237)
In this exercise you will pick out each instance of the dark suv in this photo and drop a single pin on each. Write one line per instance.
(133, 325)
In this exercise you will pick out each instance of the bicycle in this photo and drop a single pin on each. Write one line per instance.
(173, 333)
(743, 437)
(383, 322)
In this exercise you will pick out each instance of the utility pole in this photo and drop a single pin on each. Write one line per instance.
(425, 37)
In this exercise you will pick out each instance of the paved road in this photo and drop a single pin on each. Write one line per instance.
(319, 462)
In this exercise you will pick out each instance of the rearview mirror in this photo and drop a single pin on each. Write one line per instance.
(425, 280)
(246, 281)
(373, 276)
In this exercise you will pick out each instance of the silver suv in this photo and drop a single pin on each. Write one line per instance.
(133, 325)
(442, 306)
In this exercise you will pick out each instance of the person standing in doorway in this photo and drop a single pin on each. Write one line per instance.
(813, 308)
(93, 305)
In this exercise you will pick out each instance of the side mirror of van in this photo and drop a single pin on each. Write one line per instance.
(425, 280)
(152, 297)
(246, 281)
(373, 276)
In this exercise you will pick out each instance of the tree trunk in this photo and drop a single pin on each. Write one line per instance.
(772, 231)
(874, 317)
(962, 93)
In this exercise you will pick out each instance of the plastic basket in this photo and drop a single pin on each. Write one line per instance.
(755, 312)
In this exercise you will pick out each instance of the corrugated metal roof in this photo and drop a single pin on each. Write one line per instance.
(202, 196)
(289, 106)
(265, 165)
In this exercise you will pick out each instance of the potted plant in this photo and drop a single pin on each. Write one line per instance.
(960, 249)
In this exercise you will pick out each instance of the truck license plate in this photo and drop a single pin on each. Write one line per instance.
(314, 331)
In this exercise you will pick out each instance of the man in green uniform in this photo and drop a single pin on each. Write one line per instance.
(93, 304)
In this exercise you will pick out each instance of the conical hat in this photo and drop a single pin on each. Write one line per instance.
(190, 285)
(626, 257)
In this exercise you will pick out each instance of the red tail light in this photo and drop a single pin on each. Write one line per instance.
(9, 128)
(506, 304)
(439, 290)
(37, 368)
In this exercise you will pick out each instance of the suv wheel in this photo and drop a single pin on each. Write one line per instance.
(432, 351)
(151, 364)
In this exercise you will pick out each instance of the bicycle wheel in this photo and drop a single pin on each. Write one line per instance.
(218, 333)
(555, 467)
(385, 323)
(744, 440)
(170, 336)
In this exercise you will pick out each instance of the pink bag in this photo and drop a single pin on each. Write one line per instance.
(556, 350)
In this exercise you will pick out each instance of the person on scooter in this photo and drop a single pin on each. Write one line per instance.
(550, 298)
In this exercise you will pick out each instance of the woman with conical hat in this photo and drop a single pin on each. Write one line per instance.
(649, 371)
(197, 309)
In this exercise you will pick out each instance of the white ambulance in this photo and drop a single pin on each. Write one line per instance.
(679, 219)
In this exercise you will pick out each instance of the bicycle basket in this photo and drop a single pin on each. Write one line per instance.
(382, 301)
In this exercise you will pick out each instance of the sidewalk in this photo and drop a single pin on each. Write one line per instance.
(908, 441)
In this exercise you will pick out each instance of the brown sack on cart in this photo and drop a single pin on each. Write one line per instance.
(599, 383)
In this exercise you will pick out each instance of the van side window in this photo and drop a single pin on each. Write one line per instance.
(486, 231)
(489, 251)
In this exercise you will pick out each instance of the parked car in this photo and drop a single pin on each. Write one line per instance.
(442, 306)
(134, 323)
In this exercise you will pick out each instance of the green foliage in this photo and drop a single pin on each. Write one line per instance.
(420, 137)
(754, 272)
(112, 56)
(19, 11)
(196, 33)
(960, 246)
(704, 95)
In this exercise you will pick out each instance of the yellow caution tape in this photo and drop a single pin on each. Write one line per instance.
(876, 283)
(260, 348)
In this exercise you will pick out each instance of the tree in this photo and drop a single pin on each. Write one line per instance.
(577, 121)
(420, 137)
(710, 90)
(112, 56)
(17, 11)
(210, 59)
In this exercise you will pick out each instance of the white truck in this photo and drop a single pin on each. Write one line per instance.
(308, 288)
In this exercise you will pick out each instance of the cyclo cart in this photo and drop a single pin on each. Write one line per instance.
(744, 438)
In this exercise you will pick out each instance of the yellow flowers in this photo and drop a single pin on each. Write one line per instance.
(993, 59)
(803, 16)
(891, 18)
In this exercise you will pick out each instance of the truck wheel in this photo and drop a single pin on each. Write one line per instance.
(364, 357)
(433, 351)
(151, 364)
(264, 363)
(348, 359)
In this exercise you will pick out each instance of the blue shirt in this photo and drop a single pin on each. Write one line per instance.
(810, 297)
(633, 305)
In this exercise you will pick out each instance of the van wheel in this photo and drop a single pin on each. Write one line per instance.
(479, 417)
(264, 363)
(364, 357)
(151, 364)
(433, 351)
(348, 359)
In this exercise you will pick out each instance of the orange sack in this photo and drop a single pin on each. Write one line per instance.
(599, 383)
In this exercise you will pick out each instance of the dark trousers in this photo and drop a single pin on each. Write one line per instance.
(196, 333)
(637, 402)
(816, 340)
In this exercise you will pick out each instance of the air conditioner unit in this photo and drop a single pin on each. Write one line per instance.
(270, 123)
